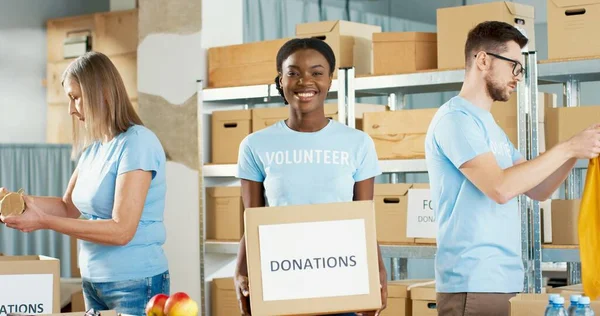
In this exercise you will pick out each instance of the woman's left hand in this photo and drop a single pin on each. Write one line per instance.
(31, 220)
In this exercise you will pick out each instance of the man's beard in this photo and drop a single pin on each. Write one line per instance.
(495, 90)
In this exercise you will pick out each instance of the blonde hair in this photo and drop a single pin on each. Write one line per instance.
(106, 106)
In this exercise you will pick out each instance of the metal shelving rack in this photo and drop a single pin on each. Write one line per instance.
(347, 87)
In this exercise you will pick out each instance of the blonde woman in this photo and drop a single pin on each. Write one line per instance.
(115, 200)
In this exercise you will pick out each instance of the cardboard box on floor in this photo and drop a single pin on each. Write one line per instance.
(571, 25)
(454, 24)
(391, 211)
(399, 302)
(244, 64)
(223, 297)
(563, 123)
(30, 284)
(351, 42)
(535, 304)
(228, 129)
(403, 52)
(424, 300)
(224, 213)
(328, 251)
(399, 134)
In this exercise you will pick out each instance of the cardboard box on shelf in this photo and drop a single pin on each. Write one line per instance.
(399, 301)
(228, 130)
(224, 213)
(391, 211)
(223, 297)
(454, 24)
(571, 25)
(30, 284)
(402, 52)
(243, 64)
(399, 134)
(424, 300)
(563, 123)
(351, 42)
(535, 304)
(329, 251)
(565, 215)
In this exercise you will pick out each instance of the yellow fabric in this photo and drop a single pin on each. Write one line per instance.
(589, 231)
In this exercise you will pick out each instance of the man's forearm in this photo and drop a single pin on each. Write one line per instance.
(241, 266)
(544, 190)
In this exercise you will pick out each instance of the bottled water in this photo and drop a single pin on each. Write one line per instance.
(583, 307)
(551, 298)
(558, 307)
(574, 303)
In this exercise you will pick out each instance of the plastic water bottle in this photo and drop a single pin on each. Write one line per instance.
(558, 307)
(574, 303)
(551, 298)
(583, 307)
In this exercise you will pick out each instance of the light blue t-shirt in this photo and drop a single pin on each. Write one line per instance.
(308, 168)
(98, 167)
(479, 240)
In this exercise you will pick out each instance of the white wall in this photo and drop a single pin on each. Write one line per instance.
(23, 63)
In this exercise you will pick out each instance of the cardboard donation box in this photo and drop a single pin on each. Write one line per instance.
(424, 300)
(399, 302)
(224, 213)
(228, 130)
(454, 24)
(29, 285)
(572, 28)
(312, 259)
(400, 52)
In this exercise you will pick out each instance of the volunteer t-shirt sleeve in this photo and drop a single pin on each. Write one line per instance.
(249, 166)
(141, 150)
(368, 162)
(515, 153)
(459, 138)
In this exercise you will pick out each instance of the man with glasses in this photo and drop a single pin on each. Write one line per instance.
(476, 173)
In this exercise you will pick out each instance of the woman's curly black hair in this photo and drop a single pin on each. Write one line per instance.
(297, 44)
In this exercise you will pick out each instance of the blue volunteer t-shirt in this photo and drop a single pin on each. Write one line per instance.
(99, 166)
(308, 168)
(479, 240)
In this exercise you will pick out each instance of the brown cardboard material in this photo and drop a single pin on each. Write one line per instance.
(21, 269)
(454, 24)
(399, 134)
(351, 42)
(571, 26)
(565, 122)
(399, 301)
(224, 213)
(223, 297)
(12, 204)
(77, 302)
(391, 207)
(402, 52)
(535, 304)
(565, 215)
(424, 300)
(243, 64)
(228, 130)
(303, 222)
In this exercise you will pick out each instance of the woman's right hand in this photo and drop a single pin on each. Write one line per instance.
(243, 293)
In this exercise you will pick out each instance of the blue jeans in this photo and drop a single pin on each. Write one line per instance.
(126, 297)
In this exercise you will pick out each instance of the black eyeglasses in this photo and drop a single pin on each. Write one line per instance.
(518, 68)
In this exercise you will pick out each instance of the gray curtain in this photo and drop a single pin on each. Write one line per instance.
(39, 169)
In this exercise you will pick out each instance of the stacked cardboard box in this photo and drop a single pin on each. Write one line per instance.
(572, 25)
(403, 52)
(223, 297)
(400, 297)
(224, 213)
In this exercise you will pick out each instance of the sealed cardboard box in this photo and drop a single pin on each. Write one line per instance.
(565, 215)
(391, 207)
(454, 24)
(223, 297)
(399, 301)
(564, 122)
(30, 285)
(327, 251)
(399, 134)
(424, 300)
(535, 304)
(351, 42)
(224, 213)
(402, 52)
(571, 26)
(243, 64)
(228, 130)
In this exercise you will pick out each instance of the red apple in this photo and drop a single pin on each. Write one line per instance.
(180, 304)
(156, 305)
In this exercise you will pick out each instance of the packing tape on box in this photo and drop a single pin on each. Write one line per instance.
(422, 284)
